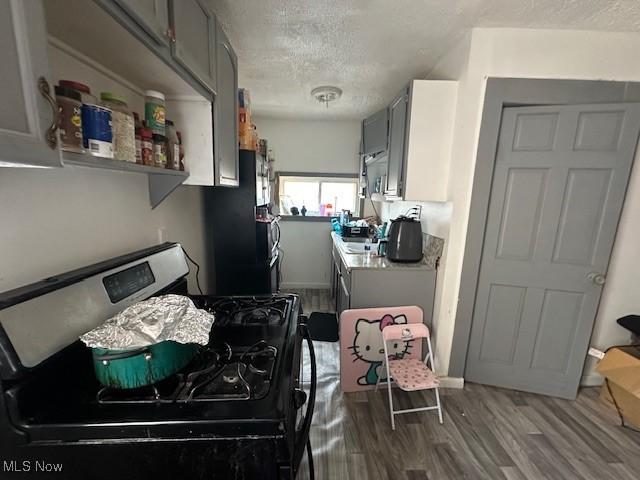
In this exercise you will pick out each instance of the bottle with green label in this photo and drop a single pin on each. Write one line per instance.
(155, 111)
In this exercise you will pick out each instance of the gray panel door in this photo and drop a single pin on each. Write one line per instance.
(559, 184)
(194, 27)
(375, 132)
(151, 15)
(26, 116)
(397, 134)
(226, 111)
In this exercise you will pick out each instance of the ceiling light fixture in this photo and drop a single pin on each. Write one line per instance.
(326, 94)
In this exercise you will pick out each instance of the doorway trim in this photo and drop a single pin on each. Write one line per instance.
(501, 93)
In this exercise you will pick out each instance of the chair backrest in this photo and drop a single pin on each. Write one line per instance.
(405, 332)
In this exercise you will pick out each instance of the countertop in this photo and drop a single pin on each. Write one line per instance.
(359, 261)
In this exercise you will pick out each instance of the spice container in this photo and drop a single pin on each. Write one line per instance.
(138, 137)
(146, 138)
(97, 137)
(122, 124)
(159, 151)
(69, 118)
(173, 147)
(84, 90)
(154, 111)
(181, 145)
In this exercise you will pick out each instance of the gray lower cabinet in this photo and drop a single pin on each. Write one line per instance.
(194, 39)
(226, 113)
(27, 117)
(344, 298)
(397, 134)
(151, 15)
(384, 287)
(375, 132)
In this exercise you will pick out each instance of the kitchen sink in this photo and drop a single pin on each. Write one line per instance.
(354, 239)
(357, 247)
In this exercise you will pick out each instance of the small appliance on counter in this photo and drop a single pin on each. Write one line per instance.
(404, 240)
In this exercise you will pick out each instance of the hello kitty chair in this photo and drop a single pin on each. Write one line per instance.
(410, 374)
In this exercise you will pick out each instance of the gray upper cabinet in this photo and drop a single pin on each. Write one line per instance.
(375, 132)
(28, 133)
(151, 15)
(194, 40)
(397, 135)
(226, 113)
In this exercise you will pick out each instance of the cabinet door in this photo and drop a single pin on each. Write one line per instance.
(343, 296)
(151, 15)
(397, 135)
(226, 111)
(194, 30)
(375, 132)
(28, 124)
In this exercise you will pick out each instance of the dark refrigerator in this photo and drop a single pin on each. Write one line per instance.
(245, 250)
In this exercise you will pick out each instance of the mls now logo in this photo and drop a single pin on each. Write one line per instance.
(16, 466)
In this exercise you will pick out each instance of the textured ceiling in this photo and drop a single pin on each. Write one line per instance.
(371, 48)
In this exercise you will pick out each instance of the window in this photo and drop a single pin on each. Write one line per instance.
(320, 195)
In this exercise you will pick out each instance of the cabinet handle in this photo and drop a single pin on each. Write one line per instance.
(50, 135)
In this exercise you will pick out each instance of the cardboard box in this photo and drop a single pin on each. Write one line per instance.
(621, 367)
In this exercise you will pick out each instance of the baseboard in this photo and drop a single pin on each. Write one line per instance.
(451, 382)
(295, 285)
(592, 380)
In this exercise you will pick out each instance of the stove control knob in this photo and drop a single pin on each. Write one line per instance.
(299, 398)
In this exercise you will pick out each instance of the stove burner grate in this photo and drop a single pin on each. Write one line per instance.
(249, 311)
(216, 374)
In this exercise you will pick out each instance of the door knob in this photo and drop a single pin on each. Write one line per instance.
(597, 278)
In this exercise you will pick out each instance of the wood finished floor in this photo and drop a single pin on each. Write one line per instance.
(488, 433)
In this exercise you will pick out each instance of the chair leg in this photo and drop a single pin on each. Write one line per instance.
(439, 406)
(393, 423)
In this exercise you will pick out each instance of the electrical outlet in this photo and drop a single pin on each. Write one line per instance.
(162, 235)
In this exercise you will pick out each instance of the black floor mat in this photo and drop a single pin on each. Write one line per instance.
(323, 327)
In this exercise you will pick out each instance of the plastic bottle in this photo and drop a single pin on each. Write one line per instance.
(367, 247)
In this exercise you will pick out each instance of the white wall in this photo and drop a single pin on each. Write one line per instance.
(533, 54)
(435, 220)
(307, 254)
(55, 220)
(60, 219)
(309, 146)
(312, 146)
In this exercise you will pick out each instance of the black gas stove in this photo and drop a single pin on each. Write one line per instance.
(238, 410)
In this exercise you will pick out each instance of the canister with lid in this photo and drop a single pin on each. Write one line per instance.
(122, 124)
(96, 130)
(154, 111)
(69, 118)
